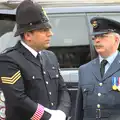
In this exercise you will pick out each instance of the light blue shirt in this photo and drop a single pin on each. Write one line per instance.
(30, 49)
(110, 60)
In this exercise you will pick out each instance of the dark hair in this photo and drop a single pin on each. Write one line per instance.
(22, 36)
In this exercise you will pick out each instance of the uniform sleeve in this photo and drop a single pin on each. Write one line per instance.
(64, 97)
(79, 102)
(13, 88)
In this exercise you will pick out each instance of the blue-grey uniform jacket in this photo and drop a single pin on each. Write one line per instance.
(96, 98)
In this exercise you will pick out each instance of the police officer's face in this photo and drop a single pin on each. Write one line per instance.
(39, 39)
(106, 44)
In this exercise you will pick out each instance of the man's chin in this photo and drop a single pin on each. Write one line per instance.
(47, 46)
(103, 54)
(100, 51)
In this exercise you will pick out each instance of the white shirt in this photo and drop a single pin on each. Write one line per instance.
(30, 49)
(110, 60)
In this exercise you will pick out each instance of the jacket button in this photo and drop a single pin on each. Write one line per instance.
(50, 93)
(98, 105)
(99, 94)
(44, 72)
(100, 84)
(84, 90)
(57, 75)
(53, 67)
(30, 23)
(33, 77)
(47, 82)
(52, 104)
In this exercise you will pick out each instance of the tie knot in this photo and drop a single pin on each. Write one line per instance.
(39, 57)
(104, 62)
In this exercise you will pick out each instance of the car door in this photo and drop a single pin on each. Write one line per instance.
(71, 45)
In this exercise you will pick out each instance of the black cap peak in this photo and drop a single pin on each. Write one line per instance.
(102, 25)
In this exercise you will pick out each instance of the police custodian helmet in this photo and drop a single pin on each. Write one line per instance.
(103, 25)
(30, 16)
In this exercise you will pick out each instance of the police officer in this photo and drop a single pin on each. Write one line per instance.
(98, 96)
(30, 76)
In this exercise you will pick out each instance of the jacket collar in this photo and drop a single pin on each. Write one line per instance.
(26, 53)
(115, 66)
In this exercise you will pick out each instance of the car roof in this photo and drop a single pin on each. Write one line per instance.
(76, 9)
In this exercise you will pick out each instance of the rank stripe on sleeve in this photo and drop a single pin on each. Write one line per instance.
(12, 76)
(13, 79)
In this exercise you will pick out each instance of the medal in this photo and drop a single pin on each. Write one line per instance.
(114, 83)
(119, 84)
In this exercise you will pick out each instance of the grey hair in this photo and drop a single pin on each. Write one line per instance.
(118, 36)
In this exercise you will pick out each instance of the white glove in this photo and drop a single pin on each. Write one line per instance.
(61, 115)
(52, 112)
(56, 114)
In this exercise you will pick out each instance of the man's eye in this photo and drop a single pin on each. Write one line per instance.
(99, 36)
(102, 36)
(46, 29)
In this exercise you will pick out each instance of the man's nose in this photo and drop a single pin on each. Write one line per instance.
(97, 39)
(50, 33)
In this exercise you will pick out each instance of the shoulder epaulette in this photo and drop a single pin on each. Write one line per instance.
(7, 50)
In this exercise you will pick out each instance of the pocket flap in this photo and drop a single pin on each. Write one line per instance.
(53, 73)
(35, 77)
(87, 88)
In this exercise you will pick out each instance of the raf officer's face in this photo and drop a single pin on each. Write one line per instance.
(39, 39)
(106, 44)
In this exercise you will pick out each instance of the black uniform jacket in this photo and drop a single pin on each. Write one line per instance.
(25, 83)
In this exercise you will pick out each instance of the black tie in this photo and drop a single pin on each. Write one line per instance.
(102, 68)
(39, 58)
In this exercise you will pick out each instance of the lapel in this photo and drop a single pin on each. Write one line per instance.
(96, 68)
(115, 66)
(26, 53)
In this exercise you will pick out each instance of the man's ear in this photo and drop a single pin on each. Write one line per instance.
(27, 36)
(116, 38)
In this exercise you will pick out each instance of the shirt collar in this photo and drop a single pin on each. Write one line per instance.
(30, 49)
(110, 59)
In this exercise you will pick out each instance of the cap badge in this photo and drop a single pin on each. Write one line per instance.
(95, 24)
(114, 83)
(45, 13)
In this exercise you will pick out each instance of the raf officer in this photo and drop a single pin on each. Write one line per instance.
(98, 96)
(30, 76)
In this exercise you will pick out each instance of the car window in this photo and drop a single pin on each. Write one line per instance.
(6, 26)
(6, 34)
(69, 30)
(70, 41)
